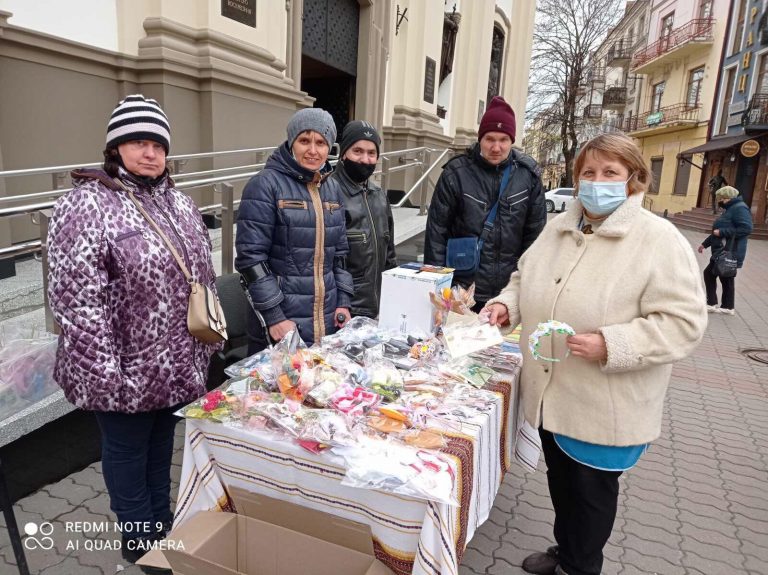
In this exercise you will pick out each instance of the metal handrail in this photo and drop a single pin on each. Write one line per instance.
(69, 168)
(696, 30)
(422, 178)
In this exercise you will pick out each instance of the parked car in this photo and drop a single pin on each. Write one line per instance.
(559, 199)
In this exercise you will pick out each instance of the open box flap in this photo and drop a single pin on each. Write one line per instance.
(317, 524)
(193, 533)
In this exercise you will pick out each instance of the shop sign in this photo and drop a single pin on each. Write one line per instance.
(244, 11)
(655, 118)
(750, 149)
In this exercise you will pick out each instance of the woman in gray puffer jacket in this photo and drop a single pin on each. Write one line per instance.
(121, 301)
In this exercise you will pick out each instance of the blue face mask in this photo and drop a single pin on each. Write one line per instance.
(602, 198)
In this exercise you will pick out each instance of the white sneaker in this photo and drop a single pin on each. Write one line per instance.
(713, 309)
(727, 311)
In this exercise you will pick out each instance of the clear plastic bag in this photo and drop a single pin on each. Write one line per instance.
(386, 379)
(257, 365)
(27, 359)
(397, 468)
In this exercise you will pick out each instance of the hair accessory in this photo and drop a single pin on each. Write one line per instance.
(544, 329)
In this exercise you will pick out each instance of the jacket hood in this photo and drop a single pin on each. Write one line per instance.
(616, 225)
(83, 175)
(733, 201)
(282, 161)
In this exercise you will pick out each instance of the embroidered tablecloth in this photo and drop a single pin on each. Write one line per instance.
(409, 535)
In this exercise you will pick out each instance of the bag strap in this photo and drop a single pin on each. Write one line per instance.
(488, 225)
(160, 232)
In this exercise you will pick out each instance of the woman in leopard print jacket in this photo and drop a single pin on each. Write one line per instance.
(121, 301)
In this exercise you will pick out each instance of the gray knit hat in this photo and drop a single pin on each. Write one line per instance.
(138, 118)
(315, 119)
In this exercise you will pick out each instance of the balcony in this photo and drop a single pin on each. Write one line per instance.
(695, 37)
(666, 119)
(615, 98)
(593, 112)
(619, 55)
(595, 75)
(755, 117)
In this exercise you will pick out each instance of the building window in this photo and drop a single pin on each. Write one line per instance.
(656, 166)
(666, 27)
(730, 83)
(682, 178)
(762, 75)
(739, 29)
(705, 9)
(695, 79)
(658, 93)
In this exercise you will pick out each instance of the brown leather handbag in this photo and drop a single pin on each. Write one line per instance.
(205, 318)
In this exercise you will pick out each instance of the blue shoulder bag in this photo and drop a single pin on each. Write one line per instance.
(463, 254)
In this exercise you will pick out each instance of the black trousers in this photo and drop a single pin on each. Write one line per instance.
(729, 288)
(585, 501)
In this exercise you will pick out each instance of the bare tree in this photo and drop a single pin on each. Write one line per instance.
(566, 34)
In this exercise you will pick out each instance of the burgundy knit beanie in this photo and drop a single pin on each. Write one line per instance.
(499, 117)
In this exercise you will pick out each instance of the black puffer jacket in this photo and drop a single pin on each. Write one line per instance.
(277, 224)
(371, 239)
(465, 194)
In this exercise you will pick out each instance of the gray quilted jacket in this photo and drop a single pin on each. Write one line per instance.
(121, 299)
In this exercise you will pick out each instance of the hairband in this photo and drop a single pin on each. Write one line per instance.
(544, 329)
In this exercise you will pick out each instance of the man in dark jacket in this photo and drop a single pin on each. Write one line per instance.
(467, 190)
(370, 227)
(730, 231)
(291, 240)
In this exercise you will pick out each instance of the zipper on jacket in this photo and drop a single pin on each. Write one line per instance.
(375, 240)
(357, 236)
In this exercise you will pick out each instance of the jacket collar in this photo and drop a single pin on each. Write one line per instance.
(616, 225)
(283, 161)
(82, 174)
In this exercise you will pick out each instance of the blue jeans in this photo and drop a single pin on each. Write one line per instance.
(136, 451)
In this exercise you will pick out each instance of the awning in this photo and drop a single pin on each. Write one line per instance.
(720, 144)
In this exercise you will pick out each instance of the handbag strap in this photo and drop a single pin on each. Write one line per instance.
(160, 232)
(488, 225)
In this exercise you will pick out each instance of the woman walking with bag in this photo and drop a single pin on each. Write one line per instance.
(117, 289)
(729, 236)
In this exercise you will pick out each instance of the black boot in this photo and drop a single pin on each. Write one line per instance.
(542, 563)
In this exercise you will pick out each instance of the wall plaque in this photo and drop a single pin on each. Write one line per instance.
(429, 81)
(244, 11)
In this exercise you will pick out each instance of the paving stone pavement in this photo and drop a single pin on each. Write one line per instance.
(696, 503)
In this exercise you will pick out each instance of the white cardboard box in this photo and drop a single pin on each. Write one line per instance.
(405, 305)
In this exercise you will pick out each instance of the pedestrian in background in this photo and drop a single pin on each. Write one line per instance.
(627, 282)
(715, 183)
(291, 238)
(729, 232)
(121, 301)
(465, 204)
(369, 222)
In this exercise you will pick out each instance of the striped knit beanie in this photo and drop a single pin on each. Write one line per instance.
(138, 118)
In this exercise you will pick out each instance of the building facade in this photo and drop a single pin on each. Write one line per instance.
(230, 73)
(739, 130)
(680, 66)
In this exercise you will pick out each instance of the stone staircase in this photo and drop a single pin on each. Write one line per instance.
(700, 220)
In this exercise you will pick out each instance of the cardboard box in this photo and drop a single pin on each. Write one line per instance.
(268, 537)
(405, 305)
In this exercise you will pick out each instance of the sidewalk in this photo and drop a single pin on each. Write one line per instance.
(695, 504)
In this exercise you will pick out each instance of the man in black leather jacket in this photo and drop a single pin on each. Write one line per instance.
(370, 228)
(467, 190)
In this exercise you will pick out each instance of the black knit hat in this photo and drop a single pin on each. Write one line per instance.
(355, 131)
(138, 118)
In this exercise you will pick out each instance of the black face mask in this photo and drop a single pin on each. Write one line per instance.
(721, 204)
(358, 172)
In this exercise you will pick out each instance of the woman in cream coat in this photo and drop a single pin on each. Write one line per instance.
(628, 283)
